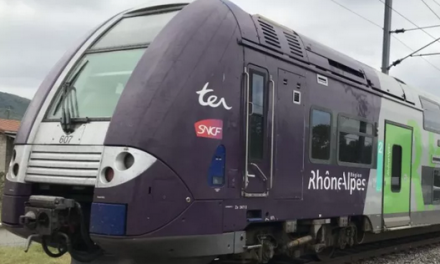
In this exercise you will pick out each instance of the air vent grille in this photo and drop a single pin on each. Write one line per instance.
(270, 35)
(294, 44)
(279, 39)
(345, 68)
(77, 165)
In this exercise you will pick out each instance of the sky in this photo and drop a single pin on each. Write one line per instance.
(36, 33)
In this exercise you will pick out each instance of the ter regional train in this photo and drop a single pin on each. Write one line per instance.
(197, 132)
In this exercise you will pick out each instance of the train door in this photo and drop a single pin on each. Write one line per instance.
(259, 126)
(397, 175)
(289, 136)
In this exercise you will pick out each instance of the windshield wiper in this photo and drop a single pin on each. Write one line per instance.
(73, 108)
(65, 118)
(68, 87)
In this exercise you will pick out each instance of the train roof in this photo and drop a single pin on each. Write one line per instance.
(294, 45)
(158, 4)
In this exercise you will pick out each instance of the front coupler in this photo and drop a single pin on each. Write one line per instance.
(59, 222)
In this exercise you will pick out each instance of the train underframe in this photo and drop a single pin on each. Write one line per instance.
(63, 223)
(295, 239)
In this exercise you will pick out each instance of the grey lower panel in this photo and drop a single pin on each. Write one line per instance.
(376, 222)
(396, 221)
(174, 247)
(425, 218)
(414, 219)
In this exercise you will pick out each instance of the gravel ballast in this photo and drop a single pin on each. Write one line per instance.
(423, 255)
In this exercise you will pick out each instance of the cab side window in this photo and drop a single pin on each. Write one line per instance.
(257, 115)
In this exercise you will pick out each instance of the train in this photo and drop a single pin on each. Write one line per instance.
(197, 132)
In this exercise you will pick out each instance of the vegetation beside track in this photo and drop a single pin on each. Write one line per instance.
(35, 255)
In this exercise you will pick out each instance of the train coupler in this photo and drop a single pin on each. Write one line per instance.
(56, 221)
(29, 241)
(45, 214)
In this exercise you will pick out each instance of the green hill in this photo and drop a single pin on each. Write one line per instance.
(12, 106)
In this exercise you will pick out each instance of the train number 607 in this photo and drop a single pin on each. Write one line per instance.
(65, 139)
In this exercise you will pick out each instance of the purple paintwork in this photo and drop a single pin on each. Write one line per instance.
(212, 41)
(166, 104)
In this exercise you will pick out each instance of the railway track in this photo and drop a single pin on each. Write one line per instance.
(371, 250)
(362, 252)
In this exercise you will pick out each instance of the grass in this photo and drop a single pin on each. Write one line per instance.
(35, 255)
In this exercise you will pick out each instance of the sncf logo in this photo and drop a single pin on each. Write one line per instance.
(209, 128)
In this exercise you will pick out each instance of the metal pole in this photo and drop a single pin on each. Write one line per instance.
(386, 36)
(9, 112)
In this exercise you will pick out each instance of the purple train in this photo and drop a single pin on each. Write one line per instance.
(200, 132)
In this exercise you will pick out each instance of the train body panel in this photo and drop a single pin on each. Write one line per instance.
(209, 59)
(222, 126)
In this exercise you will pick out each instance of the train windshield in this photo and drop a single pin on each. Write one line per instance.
(94, 87)
(100, 80)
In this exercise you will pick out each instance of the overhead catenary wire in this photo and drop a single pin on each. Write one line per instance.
(435, 1)
(411, 55)
(381, 28)
(418, 27)
(426, 54)
(432, 10)
(359, 15)
(411, 49)
(403, 30)
(407, 19)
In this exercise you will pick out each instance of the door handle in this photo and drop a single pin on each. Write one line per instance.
(263, 177)
(251, 111)
(272, 132)
(246, 165)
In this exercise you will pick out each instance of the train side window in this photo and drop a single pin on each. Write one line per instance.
(431, 112)
(355, 141)
(321, 134)
(257, 115)
(436, 186)
(396, 168)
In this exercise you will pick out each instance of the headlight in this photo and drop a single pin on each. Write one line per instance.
(122, 164)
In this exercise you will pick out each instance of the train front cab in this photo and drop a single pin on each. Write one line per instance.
(59, 159)
(91, 153)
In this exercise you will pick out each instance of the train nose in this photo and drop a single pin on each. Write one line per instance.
(138, 200)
